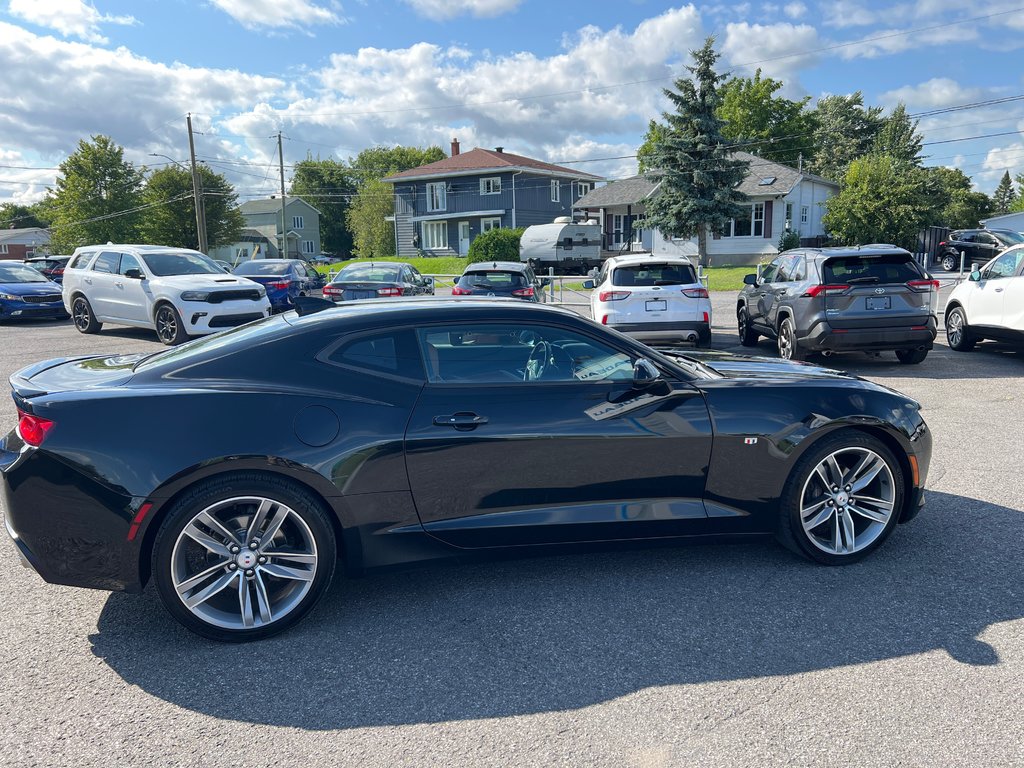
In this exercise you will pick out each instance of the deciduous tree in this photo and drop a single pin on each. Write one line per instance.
(171, 217)
(327, 185)
(845, 130)
(767, 125)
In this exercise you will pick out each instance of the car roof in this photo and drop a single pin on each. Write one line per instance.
(270, 261)
(377, 264)
(505, 266)
(873, 249)
(137, 248)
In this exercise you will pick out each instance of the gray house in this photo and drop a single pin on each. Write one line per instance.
(440, 207)
(262, 231)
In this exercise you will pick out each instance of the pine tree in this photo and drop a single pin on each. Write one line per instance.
(1004, 196)
(698, 175)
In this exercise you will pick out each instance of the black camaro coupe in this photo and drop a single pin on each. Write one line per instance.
(237, 470)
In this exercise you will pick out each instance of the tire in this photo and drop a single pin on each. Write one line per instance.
(83, 317)
(748, 336)
(216, 584)
(703, 339)
(958, 333)
(911, 356)
(788, 349)
(822, 534)
(950, 262)
(169, 327)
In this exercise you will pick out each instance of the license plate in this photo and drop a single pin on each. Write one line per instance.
(657, 305)
(878, 302)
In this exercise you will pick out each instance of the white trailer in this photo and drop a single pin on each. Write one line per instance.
(572, 248)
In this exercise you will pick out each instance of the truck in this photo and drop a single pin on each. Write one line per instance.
(572, 248)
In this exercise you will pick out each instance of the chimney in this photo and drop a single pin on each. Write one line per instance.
(499, 150)
(455, 147)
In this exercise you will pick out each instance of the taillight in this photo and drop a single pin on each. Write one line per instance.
(942, 243)
(457, 291)
(58, 271)
(695, 293)
(612, 295)
(923, 285)
(828, 290)
(389, 291)
(32, 428)
(604, 319)
(279, 286)
(331, 289)
(523, 292)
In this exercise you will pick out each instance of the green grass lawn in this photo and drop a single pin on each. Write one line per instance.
(727, 278)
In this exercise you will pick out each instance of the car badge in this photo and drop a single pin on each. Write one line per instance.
(879, 290)
(750, 441)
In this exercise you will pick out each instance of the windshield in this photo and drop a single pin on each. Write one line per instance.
(19, 273)
(654, 274)
(493, 280)
(1008, 237)
(180, 263)
(263, 268)
(367, 273)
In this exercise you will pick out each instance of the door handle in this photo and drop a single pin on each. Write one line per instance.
(119, 285)
(462, 421)
(999, 290)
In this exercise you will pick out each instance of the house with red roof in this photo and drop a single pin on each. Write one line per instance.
(440, 207)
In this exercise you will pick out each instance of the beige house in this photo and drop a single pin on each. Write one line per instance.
(262, 231)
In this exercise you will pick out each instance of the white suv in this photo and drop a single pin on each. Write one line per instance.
(652, 298)
(175, 291)
(989, 305)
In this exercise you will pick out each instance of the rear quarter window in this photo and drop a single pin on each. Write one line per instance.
(394, 353)
(81, 260)
(876, 269)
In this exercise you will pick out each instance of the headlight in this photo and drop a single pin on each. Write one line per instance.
(261, 291)
(10, 297)
(195, 296)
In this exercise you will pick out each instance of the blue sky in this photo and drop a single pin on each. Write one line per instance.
(559, 80)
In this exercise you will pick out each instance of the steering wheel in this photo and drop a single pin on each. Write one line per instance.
(537, 362)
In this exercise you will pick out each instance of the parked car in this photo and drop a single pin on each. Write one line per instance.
(375, 279)
(284, 279)
(652, 298)
(223, 265)
(25, 294)
(369, 443)
(868, 298)
(977, 246)
(50, 267)
(499, 278)
(322, 259)
(989, 304)
(176, 292)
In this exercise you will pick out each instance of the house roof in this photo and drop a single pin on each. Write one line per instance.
(764, 178)
(477, 160)
(270, 205)
(30, 233)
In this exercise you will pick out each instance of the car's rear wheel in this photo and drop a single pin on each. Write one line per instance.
(950, 262)
(82, 314)
(911, 356)
(958, 334)
(842, 499)
(788, 349)
(748, 336)
(169, 327)
(244, 557)
(704, 339)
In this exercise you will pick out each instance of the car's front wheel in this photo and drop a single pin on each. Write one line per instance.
(244, 557)
(958, 334)
(842, 499)
(169, 328)
(82, 314)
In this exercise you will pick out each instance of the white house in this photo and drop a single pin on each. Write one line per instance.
(261, 235)
(779, 198)
(1014, 221)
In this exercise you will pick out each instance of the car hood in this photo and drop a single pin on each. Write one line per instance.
(194, 282)
(29, 289)
(755, 367)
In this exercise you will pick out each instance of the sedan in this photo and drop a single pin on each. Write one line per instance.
(25, 294)
(404, 430)
(376, 279)
(284, 279)
(50, 267)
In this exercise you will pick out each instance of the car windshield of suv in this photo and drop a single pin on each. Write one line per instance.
(19, 273)
(367, 273)
(262, 268)
(165, 264)
(493, 280)
(1008, 237)
(894, 268)
(654, 274)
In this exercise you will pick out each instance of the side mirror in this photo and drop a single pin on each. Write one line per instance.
(546, 281)
(975, 276)
(750, 279)
(644, 373)
(588, 284)
(134, 274)
(428, 281)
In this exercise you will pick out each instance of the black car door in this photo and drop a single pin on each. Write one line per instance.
(528, 434)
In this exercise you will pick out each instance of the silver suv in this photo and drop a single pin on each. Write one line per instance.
(867, 298)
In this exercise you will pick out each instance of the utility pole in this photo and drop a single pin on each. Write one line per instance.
(197, 190)
(284, 223)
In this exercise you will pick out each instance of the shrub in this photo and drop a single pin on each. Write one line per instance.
(496, 245)
(789, 240)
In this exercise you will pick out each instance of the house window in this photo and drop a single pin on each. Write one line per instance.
(490, 186)
(556, 191)
(3, 248)
(307, 246)
(617, 221)
(437, 199)
(789, 216)
(486, 225)
(758, 220)
(583, 187)
(435, 234)
(297, 222)
(804, 211)
(748, 224)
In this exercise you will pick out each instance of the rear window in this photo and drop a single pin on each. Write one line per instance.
(654, 274)
(493, 280)
(368, 273)
(262, 268)
(895, 268)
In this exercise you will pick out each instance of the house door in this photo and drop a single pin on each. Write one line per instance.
(463, 238)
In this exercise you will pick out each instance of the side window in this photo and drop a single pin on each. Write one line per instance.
(393, 353)
(1004, 266)
(769, 273)
(799, 269)
(787, 269)
(107, 262)
(128, 262)
(484, 353)
(81, 260)
(967, 237)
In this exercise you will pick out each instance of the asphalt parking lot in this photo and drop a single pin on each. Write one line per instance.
(726, 655)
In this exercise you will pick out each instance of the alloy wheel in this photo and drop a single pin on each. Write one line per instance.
(785, 342)
(955, 329)
(847, 501)
(166, 325)
(80, 311)
(244, 562)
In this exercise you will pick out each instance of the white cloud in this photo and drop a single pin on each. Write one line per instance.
(72, 18)
(848, 13)
(886, 42)
(931, 94)
(296, 14)
(794, 10)
(777, 49)
(448, 9)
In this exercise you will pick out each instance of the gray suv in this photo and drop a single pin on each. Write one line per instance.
(867, 298)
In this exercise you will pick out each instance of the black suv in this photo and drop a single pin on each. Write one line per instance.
(977, 245)
(867, 299)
